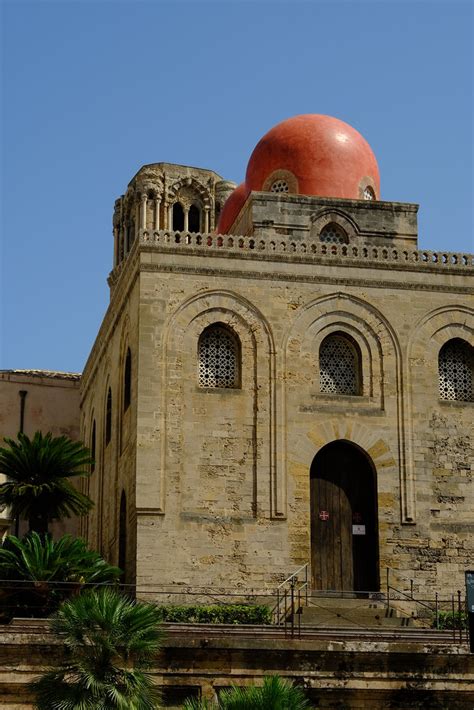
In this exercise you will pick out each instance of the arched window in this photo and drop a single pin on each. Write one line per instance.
(332, 233)
(194, 219)
(218, 357)
(369, 194)
(108, 417)
(456, 371)
(178, 217)
(339, 365)
(93, 447)
(127, 381)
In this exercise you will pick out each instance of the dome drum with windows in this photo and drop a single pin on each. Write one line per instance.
(313, 155)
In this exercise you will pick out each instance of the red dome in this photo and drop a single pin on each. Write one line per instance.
(231, 209)
(327, 157)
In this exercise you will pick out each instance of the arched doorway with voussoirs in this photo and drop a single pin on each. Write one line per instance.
(344, 519)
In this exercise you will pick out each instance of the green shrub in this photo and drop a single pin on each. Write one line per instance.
(216, 614)
(38, 573)
(448, 620)
(274, 694)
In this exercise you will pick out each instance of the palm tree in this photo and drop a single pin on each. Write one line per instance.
(274, 694)
(110, 642)
(38, 472)
(40, 572)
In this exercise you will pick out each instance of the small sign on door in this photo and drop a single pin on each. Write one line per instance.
(358, 529)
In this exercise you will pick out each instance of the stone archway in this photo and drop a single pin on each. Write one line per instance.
(344, 521)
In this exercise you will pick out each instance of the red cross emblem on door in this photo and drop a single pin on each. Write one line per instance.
(323, 515)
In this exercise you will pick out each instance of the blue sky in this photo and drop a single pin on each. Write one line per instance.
(93, 90)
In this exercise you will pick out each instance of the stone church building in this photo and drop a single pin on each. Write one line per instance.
(281, 377)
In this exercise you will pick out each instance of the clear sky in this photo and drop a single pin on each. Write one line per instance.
(91, 90)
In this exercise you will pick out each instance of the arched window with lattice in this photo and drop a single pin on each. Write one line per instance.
(333, 233)
(456, 371)
(340, 365)
(219, 357)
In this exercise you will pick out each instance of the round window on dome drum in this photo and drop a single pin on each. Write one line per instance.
(280, 186)
(369, 194)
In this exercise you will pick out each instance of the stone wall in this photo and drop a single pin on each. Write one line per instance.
(343, 674)
(222, 477)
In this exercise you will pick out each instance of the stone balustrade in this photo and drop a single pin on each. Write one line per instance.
(275, 244)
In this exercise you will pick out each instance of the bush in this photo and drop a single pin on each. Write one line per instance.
(448, 620)
(38, 573)
(216, 614)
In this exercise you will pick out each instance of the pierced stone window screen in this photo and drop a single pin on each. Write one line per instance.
(369, 194)
(339, 366)
(456, 365)
(218, 358)
(280, 186)
(333, 234)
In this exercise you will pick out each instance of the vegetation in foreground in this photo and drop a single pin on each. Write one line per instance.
(216, 614)
(111, 642)
(38, 573)
(38, 471)
(274, 694)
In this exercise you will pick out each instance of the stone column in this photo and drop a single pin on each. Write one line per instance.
(206, 218)
(170, 217)
(156, 226)
(144, 201)
(186, 219)
(137, 221)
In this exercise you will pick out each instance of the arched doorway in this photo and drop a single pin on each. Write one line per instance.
(344, 530)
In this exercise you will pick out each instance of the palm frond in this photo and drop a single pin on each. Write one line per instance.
(38, 472)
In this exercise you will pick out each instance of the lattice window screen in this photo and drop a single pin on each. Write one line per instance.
(456, 361)
(333, 234)
(280, 186)
(338, 366)
(218, 358)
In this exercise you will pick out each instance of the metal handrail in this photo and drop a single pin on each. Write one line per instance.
(295, 574)
(285, 608)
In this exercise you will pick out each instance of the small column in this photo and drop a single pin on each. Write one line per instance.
(144, 201)
(170, 217)
(137, 223)
(206, 218)
(156, 226)
(186, 220)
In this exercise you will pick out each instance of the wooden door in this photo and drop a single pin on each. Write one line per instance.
(344, 535)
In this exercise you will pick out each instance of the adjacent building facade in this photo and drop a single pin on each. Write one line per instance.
(38, 400)
(281, 377)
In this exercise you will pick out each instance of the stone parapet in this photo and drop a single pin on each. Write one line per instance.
(291, 249)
